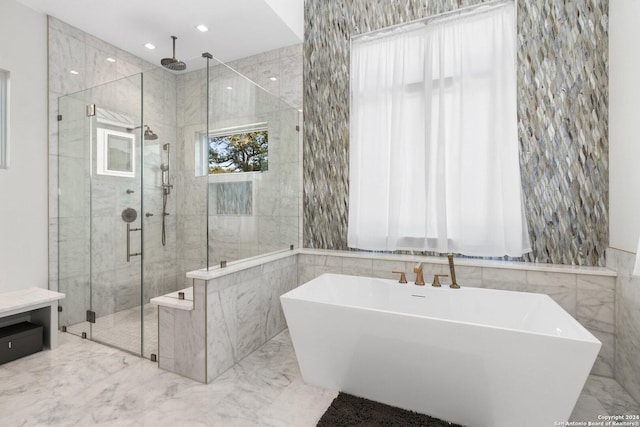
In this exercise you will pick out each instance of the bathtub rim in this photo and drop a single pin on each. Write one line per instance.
(589, 337)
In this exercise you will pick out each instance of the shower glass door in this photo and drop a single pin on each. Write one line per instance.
(99, 208)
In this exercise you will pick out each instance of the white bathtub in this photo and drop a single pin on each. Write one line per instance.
(476, 357)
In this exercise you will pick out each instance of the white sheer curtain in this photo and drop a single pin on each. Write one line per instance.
(433, 137)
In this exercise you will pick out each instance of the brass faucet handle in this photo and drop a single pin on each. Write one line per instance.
(403, 277)
(436, 279)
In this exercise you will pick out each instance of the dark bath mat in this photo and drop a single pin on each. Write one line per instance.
(351, 411)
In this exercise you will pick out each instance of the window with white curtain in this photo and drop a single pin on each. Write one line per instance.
(4, 119)
(433, 136)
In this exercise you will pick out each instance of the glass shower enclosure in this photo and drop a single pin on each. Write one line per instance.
(100, 181)
(147, 191)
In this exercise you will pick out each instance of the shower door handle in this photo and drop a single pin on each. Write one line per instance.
(129, 254)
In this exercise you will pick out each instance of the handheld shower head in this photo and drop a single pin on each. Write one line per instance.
(164, 167)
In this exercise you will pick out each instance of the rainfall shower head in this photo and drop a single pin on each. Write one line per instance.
(172, 63)
(148, 133)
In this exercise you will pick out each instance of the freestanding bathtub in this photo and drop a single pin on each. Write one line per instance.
(476, 357)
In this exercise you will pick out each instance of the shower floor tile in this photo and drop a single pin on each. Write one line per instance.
(122, 330)
(84, 383)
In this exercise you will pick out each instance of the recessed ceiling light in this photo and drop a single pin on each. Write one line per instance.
(202, 28)
(74, 72)
(229, 87)
(149, 46)
(273, 79)
(110, 59)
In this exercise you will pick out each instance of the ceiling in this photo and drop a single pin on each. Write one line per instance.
(237, 28)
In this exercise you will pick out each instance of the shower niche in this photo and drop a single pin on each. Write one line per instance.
(129, 146)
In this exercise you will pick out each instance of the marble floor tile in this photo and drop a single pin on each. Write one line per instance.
(588, 408)
(614, 398)
(84, 383)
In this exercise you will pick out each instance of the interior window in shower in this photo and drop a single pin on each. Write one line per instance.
(238, 149)
(115, 153)
(4, 119)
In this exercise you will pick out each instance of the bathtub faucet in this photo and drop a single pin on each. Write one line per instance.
(418, 270)
(452, 269)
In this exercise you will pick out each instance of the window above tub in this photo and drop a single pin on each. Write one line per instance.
(434, 162)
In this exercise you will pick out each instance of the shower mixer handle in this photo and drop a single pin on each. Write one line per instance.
(129, 254)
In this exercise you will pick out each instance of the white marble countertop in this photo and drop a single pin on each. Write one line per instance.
(213, 272)
(24, 298)
(172, 300)
(243, 264)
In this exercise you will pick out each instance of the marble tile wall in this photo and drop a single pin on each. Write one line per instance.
(588, 298)
(191, 191)
(182, 342)
(244, 311)
(273, 222)
(276, 224)
(233, 315)
(160, 271)
(87, 222)
(70, 49)
(284, 64)
(627, 321)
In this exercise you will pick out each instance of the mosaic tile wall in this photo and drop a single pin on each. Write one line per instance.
(562, 118)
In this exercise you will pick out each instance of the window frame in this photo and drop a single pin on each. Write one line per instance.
(102, 153)
(203, 149)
